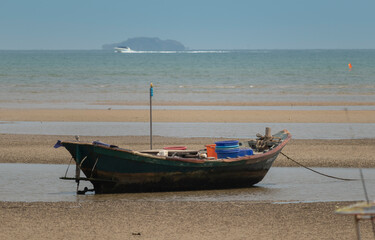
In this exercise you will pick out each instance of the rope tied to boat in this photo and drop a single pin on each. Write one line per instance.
(323, 174)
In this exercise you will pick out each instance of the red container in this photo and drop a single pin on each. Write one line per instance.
(211, 150)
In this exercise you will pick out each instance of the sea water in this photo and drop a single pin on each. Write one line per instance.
(97, 76)
(99, 79)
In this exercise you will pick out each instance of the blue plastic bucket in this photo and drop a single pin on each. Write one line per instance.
(230, 143)
(245, 152)
(227, 147)
(227, 153)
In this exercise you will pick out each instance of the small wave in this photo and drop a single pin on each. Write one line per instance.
(222, 86)
(208, 51)
(156, 52)
(187, 51)
(212, 86)
(227, 87)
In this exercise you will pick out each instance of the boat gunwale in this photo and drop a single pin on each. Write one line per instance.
(251, 158)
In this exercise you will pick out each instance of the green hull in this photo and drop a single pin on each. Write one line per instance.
(113, 170)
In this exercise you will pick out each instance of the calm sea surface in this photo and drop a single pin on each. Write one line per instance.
(99, 79)
(88, 77)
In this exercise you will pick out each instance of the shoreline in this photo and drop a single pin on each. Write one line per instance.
(204, 103)
(235, 103)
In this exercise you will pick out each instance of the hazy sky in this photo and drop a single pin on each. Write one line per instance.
(198, 24)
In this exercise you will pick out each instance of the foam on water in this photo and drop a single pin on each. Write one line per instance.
(180, 52)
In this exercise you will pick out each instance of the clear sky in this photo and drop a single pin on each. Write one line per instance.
(198, 24)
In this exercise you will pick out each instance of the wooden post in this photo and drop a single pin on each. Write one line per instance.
(151, 94)
(357, 231)
(268, 133)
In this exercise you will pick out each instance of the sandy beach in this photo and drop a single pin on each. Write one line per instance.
(176, 220)
(119, 219)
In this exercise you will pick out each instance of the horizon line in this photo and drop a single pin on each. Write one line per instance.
(201, 49)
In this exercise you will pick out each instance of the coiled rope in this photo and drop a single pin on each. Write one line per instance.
(326, 175)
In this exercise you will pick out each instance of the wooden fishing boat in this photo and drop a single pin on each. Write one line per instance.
(112, 169)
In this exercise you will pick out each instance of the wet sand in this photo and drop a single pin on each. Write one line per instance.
(116, 219)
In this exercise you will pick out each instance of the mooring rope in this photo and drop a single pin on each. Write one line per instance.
(326, 175)
(68, 166)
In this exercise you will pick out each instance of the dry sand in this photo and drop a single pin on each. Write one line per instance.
(176, 220)
(118, 219)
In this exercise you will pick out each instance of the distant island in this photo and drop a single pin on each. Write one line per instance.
(147, 44)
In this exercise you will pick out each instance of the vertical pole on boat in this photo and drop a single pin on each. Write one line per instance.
(151, 95)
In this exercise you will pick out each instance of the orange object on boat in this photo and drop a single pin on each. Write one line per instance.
(211, 150)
